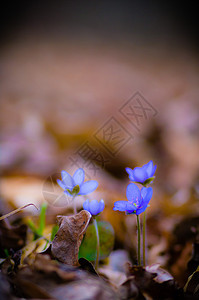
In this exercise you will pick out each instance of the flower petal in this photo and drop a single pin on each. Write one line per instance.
(140, 174)
(61, 184)
(86, 205)
(78, 176)
(94, 207)
(67, 180)
(124, 206)
(149, 168)
(101, 205)
(146, 194)
(133, 194)
(154, 169)
(130, 172)
(146, 197)
(88, 187)
(120, 205)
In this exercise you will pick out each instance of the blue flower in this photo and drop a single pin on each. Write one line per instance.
(137, 200)
(94, 207)
(75, 185)
(143, 175)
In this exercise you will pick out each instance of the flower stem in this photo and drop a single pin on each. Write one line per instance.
(98, 244)
(144, 238)
(74, 204)
(138, 226)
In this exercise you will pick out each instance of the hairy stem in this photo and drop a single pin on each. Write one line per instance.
(74, 204)
(98, 244)
(144, 238)
(138, 226)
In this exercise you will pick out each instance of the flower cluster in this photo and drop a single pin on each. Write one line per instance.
(138, 200)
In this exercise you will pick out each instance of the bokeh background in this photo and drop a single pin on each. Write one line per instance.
(66, 69)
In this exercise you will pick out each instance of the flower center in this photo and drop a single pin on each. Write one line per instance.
(74, 191)
(136, 202)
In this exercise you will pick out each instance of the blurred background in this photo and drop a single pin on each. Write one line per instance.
(102, 85)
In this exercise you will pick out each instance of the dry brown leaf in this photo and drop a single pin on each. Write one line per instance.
(162, 275)
(158, 284)
(65, 246)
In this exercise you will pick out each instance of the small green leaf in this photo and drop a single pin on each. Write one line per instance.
(42, 219)
(47, 242)
(54, 231)
(38, 232)
(88, 246)
(6, 252)
(32, 226)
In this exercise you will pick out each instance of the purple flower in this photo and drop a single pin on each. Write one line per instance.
(75, 185)
(137, 200)
(144, 174)
(94, 207)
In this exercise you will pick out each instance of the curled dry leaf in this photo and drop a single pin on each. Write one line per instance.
(65, 246)
(156, 284)
(162, 275)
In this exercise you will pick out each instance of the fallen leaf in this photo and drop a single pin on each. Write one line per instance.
(149, 285)
(162, 275)
(65, 246)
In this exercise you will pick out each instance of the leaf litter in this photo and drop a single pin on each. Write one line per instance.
(30, 269)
